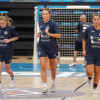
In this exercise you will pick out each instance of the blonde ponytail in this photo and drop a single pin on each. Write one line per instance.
(5, 17)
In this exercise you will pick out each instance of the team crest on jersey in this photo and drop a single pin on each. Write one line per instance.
(5, 32)
(47, 27)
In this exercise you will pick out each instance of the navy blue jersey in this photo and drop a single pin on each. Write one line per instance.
(82, 26)
(7, 33)
(47, 42)
(91, 36)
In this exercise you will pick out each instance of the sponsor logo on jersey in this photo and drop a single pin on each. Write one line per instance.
(94, 41)
(45, 36)
(92, 31)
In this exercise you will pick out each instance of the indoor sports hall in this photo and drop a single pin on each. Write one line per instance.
(71, 81)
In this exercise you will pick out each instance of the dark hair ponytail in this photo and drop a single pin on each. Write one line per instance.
(47, 8)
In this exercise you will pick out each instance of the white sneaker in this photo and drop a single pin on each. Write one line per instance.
(13, 82)
(88, 82)
(45, 90)
(73, 64)
(53, 88)
(95, 91)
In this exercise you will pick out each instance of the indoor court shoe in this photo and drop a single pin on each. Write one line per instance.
(53, 88)
(12, 84)
(45, 90)
(95, 91)
(73, 64)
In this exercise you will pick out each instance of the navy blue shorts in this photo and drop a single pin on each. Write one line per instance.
(92, 59)
(78, 46)
(6, 59)
(51, 55)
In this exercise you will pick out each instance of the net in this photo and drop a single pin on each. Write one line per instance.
(67, 20)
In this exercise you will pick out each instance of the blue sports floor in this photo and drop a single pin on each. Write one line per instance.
(31, 67)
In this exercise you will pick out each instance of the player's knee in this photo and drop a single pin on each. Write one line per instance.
(90, 73)
(53, 67)
(97, 71)
(43, 68)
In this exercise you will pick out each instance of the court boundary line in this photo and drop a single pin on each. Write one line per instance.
(80, 86)
(76, 89)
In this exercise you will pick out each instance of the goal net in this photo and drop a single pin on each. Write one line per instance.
(67, 18)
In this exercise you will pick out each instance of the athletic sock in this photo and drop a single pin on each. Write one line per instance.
(89, 78)
(45, 85)
(12, 77)
(53, 81)
(95, 85)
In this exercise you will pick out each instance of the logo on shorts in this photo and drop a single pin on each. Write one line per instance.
(5, 32)
(54, 54)
(39, 53)
(9, 61)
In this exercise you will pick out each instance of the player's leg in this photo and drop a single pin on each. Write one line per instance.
(53, 73)
(74, 58)
(43, 62)
(89, 72)
(1, 64)
(89, 66)
(96, 78)
(9, 71)
(77, 47)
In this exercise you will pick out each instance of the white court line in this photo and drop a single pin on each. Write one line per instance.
(81, 74)
(65, 74)
(23, 73)
(71, 58)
